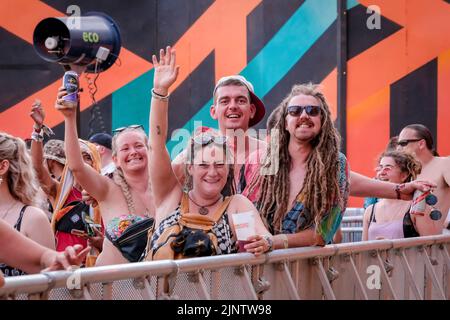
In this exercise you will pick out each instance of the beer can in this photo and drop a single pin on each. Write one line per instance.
(71, 84)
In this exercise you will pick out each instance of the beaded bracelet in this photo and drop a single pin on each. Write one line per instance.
(160, 97)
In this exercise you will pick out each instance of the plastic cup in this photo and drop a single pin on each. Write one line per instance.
(244, 224)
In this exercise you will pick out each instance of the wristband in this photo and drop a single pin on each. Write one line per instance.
(37, 136)
(159, 97)
(37, 128)
(397, 190)
(269, 241)
(285, 241)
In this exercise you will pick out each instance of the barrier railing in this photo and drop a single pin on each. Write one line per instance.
(415, 268)
(351, 225)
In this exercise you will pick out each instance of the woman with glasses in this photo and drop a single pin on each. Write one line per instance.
(391, 218)
(125, 201)
(209, 174)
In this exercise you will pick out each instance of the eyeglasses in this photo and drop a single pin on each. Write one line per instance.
(404, 143)
(133, 126)
(205, 139)
(296, 111)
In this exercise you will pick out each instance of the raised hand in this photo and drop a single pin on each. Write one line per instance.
(37, 113)
(166, 70)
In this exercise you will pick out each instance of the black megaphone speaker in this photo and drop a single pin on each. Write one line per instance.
(93, 41)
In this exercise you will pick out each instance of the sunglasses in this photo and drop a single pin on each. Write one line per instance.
(133, 126)
(205, 139)
(296, 111)
(404, 143)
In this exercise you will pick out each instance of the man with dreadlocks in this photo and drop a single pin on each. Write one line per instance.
(302, 201)
(312, 175)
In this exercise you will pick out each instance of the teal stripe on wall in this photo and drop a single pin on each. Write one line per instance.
(131, 103)
(274, 61)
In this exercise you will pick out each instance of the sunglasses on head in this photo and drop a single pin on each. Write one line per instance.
(296, 111)
(205, 139)
(404, 143)
(133, 126)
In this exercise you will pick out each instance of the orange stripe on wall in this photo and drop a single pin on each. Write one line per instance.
(132, 66)
(329, 88)
(424, 37)
(367, 134)
(222, 29)
(443, 120)
(21, 16)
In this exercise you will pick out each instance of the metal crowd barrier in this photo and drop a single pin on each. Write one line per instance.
(351, 225)
(414, 268)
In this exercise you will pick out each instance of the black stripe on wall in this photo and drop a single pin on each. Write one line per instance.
(267, 18)
(314, 66)
(360, 37)
(105, 108)
(192, 94)
(22, 72)
(414, 99)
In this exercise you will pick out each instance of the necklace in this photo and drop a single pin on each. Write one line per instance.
(9, 209)
(203, 210)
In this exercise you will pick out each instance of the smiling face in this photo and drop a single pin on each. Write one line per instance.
(303, 128)
(389, 170)
(209, 172)
(130, 151)
(232, 107)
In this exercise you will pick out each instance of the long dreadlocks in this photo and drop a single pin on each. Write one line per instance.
(321, 187)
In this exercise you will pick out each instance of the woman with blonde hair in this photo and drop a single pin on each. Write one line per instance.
(391, 218)
(125, 201)
(19, 196)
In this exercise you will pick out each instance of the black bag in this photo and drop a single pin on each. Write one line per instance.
(133, 241)
(70, 217)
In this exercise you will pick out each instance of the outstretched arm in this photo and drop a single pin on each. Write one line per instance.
(162, 176)
(48, 184)
(362, 186)
(94, 183)
(20, 252)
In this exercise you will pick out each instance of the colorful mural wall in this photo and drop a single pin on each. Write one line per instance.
(398, 71)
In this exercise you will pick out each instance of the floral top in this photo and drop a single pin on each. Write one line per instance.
(119, 224)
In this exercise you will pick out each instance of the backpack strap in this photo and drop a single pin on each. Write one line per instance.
(198, 221)
(223, 207)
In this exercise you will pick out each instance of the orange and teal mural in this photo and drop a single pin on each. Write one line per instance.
(397, 73)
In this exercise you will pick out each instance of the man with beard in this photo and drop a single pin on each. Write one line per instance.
(304, 200)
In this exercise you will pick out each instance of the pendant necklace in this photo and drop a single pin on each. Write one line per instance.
(203, 210)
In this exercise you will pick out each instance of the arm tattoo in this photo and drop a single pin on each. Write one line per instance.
(158, 130)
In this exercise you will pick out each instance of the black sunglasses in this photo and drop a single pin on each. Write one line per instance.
(205, 139)
(296, 111)
(133, 126)
(404, 143)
